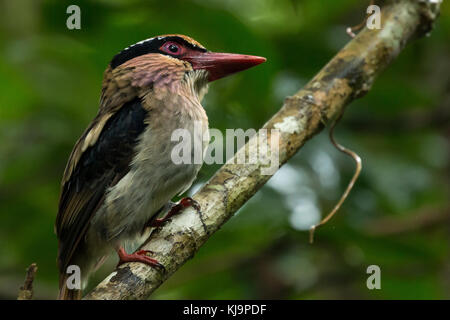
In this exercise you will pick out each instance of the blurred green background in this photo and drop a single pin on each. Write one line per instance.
(397, 217)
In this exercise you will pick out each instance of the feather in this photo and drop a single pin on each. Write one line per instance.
(100, 166)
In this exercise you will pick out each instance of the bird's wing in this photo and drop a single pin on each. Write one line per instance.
(98, 161)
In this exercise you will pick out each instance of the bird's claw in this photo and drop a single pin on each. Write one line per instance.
(176, 209)
(189, 202)
(139, 256)
(144, 252)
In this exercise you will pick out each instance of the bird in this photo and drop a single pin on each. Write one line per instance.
(120, 176)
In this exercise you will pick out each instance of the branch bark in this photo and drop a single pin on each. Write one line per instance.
(349, 75)
(26, 291)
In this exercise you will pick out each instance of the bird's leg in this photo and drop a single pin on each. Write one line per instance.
(138, 256)
(176, 209)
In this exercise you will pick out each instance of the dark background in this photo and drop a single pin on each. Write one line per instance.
(397, 217)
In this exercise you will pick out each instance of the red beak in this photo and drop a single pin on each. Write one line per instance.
(220, 65)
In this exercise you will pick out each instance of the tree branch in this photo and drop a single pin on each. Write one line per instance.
(425, 218)
(26, 291)
(349, 75)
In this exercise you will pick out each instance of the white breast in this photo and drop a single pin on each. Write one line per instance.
(154, 178)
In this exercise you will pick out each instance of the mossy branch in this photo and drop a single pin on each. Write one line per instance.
(26, 291)
(349, 75)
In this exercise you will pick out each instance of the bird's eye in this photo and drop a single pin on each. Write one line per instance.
(172, 48)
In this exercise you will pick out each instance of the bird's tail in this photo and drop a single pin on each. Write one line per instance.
(65, 293)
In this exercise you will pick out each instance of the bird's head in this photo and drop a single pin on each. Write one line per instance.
(168, 59)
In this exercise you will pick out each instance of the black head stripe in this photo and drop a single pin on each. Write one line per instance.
(135, 50)
(151, 45)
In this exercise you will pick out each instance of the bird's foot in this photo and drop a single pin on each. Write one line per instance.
(176, 209)
(138, 256)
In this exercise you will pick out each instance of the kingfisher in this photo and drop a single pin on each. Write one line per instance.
(120, 176)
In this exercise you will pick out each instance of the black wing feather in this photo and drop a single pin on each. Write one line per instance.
(100, 167)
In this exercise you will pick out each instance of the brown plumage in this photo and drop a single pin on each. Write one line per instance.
(120, 175)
